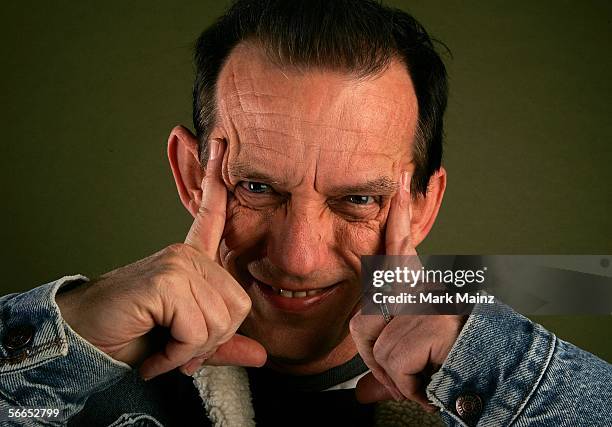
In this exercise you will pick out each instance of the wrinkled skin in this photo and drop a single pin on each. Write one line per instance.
(324, 133)
(316, 139)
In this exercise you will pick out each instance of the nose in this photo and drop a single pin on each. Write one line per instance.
(299, 243)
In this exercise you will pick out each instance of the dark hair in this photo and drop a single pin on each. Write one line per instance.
(359, 37)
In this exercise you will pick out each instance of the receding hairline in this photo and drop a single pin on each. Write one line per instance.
(306, 65)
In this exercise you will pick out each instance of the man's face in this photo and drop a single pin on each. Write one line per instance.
(312, 161)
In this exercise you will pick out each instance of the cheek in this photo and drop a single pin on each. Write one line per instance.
(244, 227)
(362, 237)
(355, 239)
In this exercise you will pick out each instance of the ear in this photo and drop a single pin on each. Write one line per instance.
(184, 161)
(425, 208)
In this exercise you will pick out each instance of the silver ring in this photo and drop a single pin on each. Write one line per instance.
(385, 312)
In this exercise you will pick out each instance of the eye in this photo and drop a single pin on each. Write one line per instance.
(360, 200)
(357, 207)
(255, 187)
(257, 195)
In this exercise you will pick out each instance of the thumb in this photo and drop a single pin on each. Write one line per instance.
(370, 390)
(239, 351)
(208, 224)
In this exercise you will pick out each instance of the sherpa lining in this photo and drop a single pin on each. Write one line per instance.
(226, 395)
(227, 398)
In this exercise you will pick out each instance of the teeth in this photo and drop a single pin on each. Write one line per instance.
(297, 294)
(286, 294)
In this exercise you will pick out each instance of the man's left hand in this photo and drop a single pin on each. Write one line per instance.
(403, 353)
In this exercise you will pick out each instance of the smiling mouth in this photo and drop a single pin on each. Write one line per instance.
(294, 299)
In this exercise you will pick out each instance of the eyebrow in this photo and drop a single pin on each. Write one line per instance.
(378, 186)
(243, 170)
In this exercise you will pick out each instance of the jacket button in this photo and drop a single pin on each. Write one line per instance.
(468, 406)
(18, 337)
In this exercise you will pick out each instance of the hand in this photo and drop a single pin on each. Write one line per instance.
(181, 288)
(403, 352)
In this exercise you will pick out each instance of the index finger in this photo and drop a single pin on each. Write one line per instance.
(207, 228)
(365, 331)
(398, 240)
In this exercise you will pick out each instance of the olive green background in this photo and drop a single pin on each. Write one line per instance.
(90, 92)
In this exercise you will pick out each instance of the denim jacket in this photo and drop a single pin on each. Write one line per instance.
(502, 370)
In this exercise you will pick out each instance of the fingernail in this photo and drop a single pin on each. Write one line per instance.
(405, 180)
(213, 149)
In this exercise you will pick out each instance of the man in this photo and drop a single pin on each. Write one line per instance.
(318, 140)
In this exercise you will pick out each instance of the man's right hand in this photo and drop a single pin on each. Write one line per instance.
(181, 288)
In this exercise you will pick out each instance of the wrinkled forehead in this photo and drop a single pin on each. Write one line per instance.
(265, 104)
